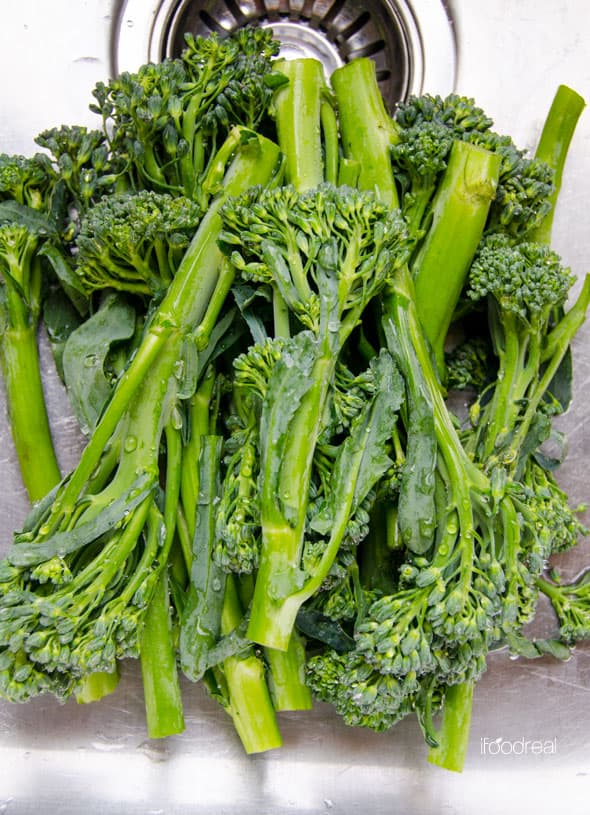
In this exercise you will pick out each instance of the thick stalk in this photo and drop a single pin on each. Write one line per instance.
(250, 703)
(287, 676)
(158, 666)
(459, 212)
(453, 736)
(298, 115)
(368, 131)
(29, 423)
(159, 671)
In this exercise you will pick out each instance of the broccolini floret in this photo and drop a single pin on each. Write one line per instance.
(571, 604)
(525, 286)
(167, 120)
(134, 242)
(326, 254)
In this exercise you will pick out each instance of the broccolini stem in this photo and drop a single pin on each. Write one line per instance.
(331, 141)
(298, 115)
(562, 334)
(552, 366)
(287, 676)
(399, 306)
(502, 412)
(280, 311)
(96, 686)
(163, 701)
(250, 704)
(164, 714)
(198, 427)
(453, 736)
(272, 617)
(553, 147)
(459, 212)
(29, 422)
(367, 129)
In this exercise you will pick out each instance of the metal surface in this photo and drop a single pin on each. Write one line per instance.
(97, 759)
(412, 44)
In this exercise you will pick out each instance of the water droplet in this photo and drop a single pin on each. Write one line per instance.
(90, 360)
(130, 444)
(216, 584)
(176, 418)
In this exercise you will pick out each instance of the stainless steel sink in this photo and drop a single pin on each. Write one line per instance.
(510, 56)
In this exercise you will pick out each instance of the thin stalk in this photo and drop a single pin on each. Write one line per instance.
(287, 676)
(29, 422)
(198, 427)
(282, 539)
(553, 147)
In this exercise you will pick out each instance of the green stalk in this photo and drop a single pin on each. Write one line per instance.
(367, 129)
(552, 366)
(459, 213)
(29, 423)
(287, 676)
(96, 686)
(198, 427)
(250, 704)
(453, 735)
(399, 306)
(164, 712)
(183, 307)
(553, 147)
(298, 114)
(272, 617)
(158, 666)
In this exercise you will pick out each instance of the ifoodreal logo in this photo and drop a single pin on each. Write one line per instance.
(517, 747)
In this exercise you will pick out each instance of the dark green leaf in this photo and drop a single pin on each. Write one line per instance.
(201, 622)
(85, 355)
(36, 222)
(317, 626)
(64, 543)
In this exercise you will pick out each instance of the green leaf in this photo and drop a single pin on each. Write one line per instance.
(290, 380)
(201, 621)
(60, 319)
(85, 358)
(362, 459)
(64, 543)
(64, 272)
(36, 222)
(317, 626)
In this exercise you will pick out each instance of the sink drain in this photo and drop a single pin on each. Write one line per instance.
(411, 43)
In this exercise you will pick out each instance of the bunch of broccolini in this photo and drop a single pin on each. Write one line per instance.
(261, 287)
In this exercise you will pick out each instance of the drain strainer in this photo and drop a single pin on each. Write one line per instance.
(412, 43)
